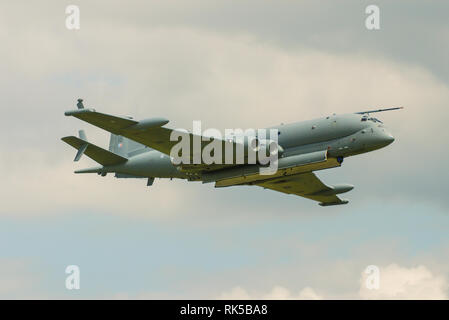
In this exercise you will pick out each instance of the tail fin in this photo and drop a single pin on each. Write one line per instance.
(125, 147)
(100, 155)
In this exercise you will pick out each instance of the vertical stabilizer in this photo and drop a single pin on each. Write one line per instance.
(125, 147)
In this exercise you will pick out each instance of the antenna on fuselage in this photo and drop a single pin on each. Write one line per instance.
(379, 110)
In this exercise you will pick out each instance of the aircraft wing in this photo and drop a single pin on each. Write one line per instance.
(105, 121)
(306, 185)
(148, 132)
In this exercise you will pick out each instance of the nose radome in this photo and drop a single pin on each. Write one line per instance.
(387, 138)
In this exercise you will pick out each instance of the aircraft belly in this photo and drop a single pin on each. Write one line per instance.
(286, 166)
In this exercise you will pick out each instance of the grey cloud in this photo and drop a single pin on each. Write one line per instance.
(189, 74)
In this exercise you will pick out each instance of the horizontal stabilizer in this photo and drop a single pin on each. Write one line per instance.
(100, 155)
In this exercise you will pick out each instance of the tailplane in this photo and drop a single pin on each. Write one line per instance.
(100, 155)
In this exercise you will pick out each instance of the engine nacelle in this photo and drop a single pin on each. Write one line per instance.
(342, 188)
(337, 189)
(145, 124)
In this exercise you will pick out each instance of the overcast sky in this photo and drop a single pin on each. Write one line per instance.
(230, 64)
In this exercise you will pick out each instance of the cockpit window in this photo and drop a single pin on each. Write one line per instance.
(375, 120)
(365, 118)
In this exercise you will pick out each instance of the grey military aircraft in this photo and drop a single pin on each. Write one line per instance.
(141, 149)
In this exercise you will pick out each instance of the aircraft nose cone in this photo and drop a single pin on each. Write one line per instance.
(387, 138)
(390, 138)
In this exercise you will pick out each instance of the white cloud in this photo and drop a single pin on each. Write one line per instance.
(398, 282)
(277, 293)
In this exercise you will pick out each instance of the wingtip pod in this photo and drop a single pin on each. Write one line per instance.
(78, 111)
(326, 204)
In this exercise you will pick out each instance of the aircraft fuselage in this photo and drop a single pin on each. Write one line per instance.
(341, 135)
